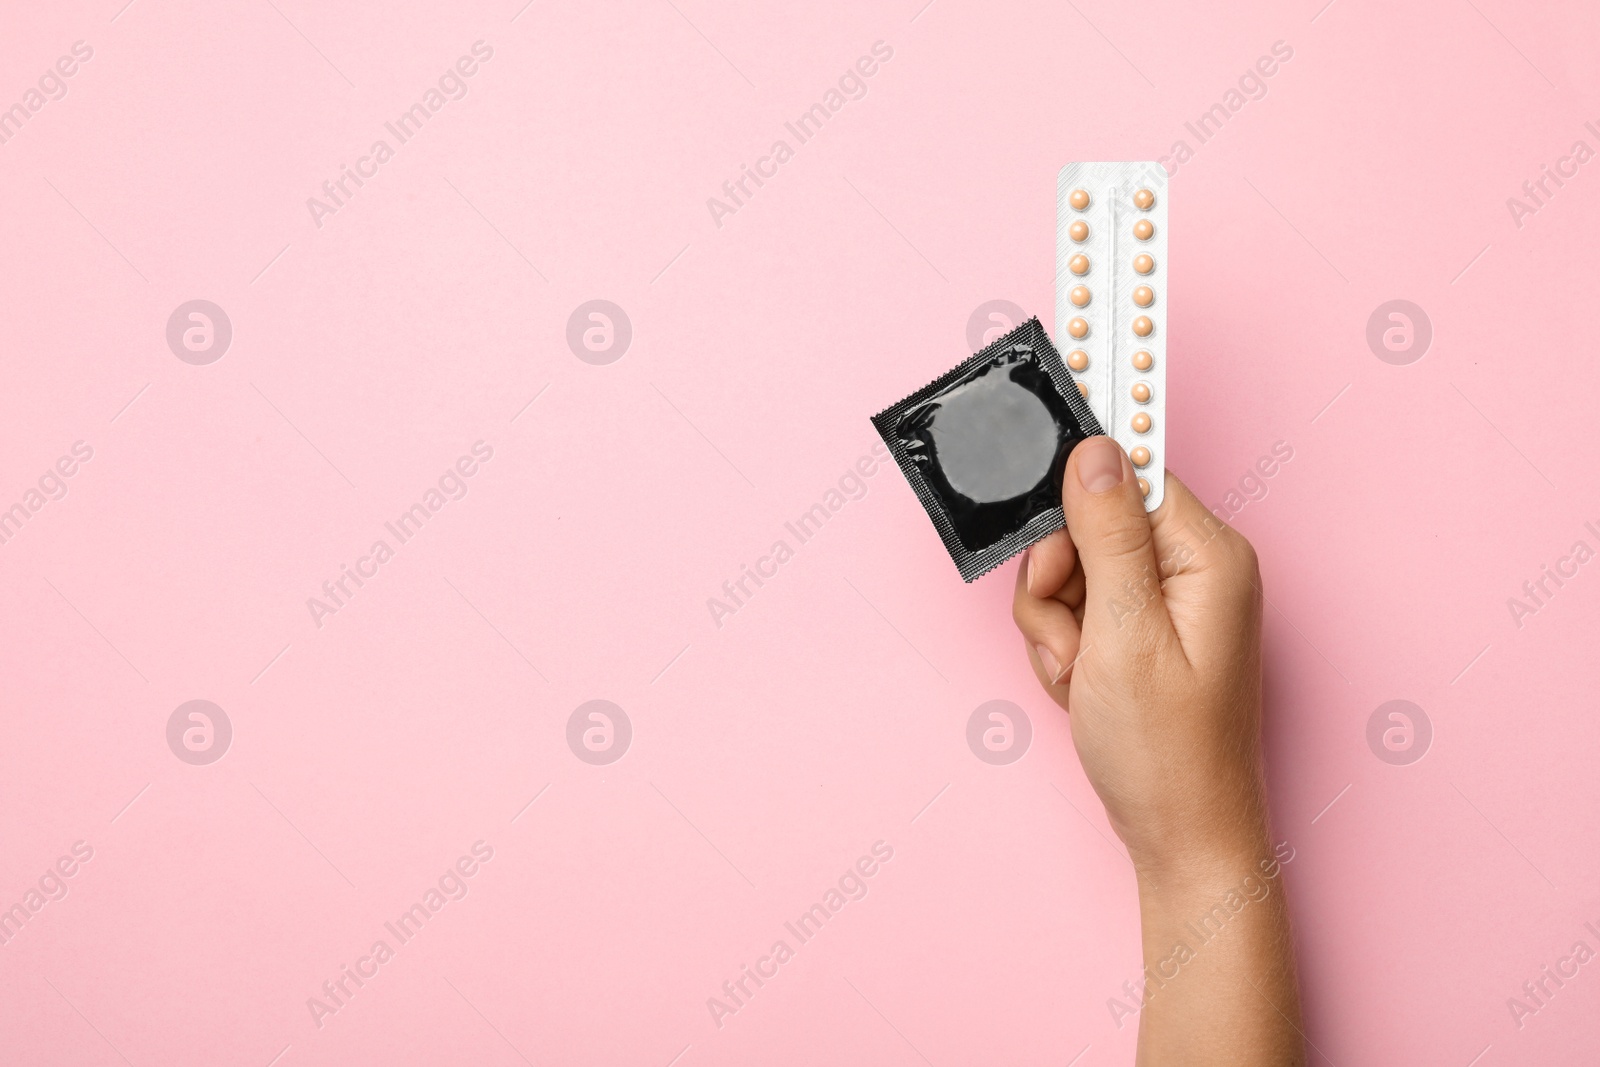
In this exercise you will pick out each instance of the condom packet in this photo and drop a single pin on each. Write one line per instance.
(984, 447)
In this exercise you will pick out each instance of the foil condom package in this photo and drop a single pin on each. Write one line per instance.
(985, 445)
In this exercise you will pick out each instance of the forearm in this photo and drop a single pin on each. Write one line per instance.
(1219, 979)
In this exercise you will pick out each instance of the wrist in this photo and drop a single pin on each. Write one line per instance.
(1207, 858)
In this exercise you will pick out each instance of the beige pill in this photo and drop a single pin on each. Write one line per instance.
(1083, 390)
(1143, 229)
(1140, 456)
(1141, 326)
(1144, 296)
(1079, 295)
(1141, 392)
(1078, 359)
(1079, 231)
(1141, 423)
(1079, 199)
(1079, 264)
(1079, 328)
(1144, 487)
(1142, 360)
(1144, 263)
(1144, 199)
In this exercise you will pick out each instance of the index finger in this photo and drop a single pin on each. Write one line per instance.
(1050, 564)
(1185, 532)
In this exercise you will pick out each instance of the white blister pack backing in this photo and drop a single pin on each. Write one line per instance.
(1111, 296)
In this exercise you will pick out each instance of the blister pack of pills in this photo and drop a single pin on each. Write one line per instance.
(1111, 297)
(985, 444)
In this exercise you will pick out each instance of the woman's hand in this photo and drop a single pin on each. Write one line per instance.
(1147, 630)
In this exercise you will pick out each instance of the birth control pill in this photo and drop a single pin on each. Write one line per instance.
(1111, 297)
(1144, 487)
(1083, 390)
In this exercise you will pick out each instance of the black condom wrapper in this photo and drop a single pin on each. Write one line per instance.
(985, 445)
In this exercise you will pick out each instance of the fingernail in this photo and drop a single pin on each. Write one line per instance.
(1051, 665)
(1099, 464)
(1030, 572)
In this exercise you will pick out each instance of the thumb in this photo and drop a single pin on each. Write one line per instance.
(1107, 521)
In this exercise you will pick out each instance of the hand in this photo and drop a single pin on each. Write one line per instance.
(1147, 630)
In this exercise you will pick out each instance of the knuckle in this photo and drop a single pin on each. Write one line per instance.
(1124, 534)
(1244, 556)
(1229, 547)
(1021, 612)
(1244, 568)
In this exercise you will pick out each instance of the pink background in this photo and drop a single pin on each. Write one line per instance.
(830, 711)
